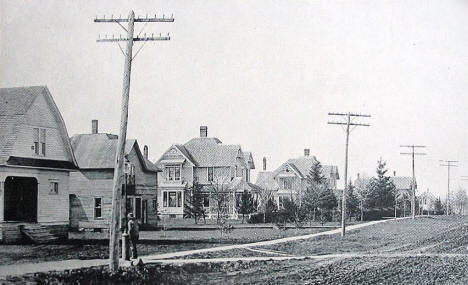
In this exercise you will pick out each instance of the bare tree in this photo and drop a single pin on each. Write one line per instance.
(220, 198)
(460, 201)
(362, 192)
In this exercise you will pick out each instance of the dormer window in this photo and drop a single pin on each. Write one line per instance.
(39, 139)
(173, 173)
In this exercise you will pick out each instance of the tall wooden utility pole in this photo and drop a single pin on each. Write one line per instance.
(117, 183)
(413, 181)
(348, 122)
(449, 164)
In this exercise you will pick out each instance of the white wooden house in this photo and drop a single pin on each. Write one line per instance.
(208, 162)
(36, 159)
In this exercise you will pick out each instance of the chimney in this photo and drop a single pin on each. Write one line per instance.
(264, 163)
(94, 126)
(145, 151)
(394, 173)
(306, 151)
(203, 131)
(358, 176)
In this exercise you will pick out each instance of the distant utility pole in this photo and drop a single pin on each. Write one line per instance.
(129, 56)
(449, 164)
(348, 122)
(413, 183)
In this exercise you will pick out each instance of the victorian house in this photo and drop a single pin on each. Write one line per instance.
(219, 169)
(36, 161)
(91, 186)
(291, 176)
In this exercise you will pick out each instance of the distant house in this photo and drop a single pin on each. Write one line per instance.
(426, 202)
(91, 186)
(217, 167)
(403, 189)
(36, 159)
(291, 176)
(266, 182)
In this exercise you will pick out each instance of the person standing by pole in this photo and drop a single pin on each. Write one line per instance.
(134, 234)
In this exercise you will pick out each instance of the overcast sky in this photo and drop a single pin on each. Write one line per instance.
(263, 74)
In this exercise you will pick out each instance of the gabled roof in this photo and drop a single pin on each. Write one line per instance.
(265, 180)
(97, 151)
(303, 164)
(239, 185)
(210, 152)
(401, 182)
(248, 158)
(14, 105)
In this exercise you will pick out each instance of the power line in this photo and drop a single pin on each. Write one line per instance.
(413, 181)
(449, 164)
(347, 123)
(117, 183)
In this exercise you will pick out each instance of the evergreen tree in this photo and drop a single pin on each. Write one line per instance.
(316, 184)
(352, 201)
(246, 205)
(438, 207)
(194, 204)
(381, 196)
(326, 203)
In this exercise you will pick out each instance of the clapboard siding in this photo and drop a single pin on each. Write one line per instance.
(87, 184)
(40, 116)
(52, 208)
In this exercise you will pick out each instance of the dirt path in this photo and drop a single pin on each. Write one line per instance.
(151, 258)
(315, 257)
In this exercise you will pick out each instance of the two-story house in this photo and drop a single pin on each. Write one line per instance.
(208, 162)
(291, 176)
(91, 186)
(36, 159)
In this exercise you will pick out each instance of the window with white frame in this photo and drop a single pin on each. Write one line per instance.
(172, 199)
(173, 173)
(39, 139)
(287, 183)
(53, 187)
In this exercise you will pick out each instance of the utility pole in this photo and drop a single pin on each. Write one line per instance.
(413, 182)
(347, 122)
(129, 56)
(449, 164)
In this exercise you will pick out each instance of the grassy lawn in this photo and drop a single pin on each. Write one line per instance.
(152, 242)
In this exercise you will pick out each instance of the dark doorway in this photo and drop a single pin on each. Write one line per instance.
(20, 200)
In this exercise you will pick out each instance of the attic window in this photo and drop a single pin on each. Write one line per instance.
(39, 139)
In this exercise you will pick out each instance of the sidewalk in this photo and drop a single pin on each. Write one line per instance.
(19, 269)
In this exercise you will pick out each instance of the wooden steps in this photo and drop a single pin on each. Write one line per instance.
(37, 234)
